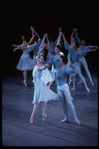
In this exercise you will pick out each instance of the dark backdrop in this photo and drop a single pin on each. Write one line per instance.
(45, 18)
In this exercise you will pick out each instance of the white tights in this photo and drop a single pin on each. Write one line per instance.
(84, 63)
(65, 95)
(78, 71)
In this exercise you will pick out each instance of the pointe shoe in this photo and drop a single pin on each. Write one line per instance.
(44, 117)
(31, 120)
(24, 82)
(88, 90)
(78, 122)
(64, 120)
(79, 83)
(73, 89)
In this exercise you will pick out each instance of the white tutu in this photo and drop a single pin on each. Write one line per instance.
(41, 91)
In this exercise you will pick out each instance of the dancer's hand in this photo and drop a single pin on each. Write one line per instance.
(75, 29)
(73, 71)
(46, 65)
(96, 47)
(60, 29)
(31, 28)
(45, 34)
(14, 49)
(13, 45)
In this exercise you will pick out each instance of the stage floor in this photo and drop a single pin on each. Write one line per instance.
(17, 107)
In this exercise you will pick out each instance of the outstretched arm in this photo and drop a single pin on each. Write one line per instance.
(20, 48)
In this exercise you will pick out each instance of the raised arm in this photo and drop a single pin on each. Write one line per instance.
(63, 37)
(48, 43)
(59, 37)
(41, 48)
(43, 40)
(36, 33)
(72, 34)
(76, 34)
(32, 29)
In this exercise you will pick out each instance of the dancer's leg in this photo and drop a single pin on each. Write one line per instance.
(25, 77)
(84, 63)
(73, 84)
(33, 112)
(80, 65)
(70, 103)
(64, 105)
(77, 68)
(44, 111)
(70, 79)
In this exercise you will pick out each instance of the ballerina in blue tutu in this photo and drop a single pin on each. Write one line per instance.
(25, 61)
(41, 90)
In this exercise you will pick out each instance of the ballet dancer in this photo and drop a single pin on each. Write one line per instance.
(74, 53)
(63, 89)
(47, 76)
(73, 39)
(41, 91)
(25, 62)
(82, 60)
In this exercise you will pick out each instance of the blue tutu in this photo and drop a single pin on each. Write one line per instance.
(25, 62)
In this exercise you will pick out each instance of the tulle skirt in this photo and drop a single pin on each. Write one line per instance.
(25, 63)
(41, 92)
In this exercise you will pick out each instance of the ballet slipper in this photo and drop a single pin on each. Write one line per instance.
(44, 117)
(78, 122)
(73, 89)
(64, 120)
(24, 82)
(79, 83)
(31, 119)
(88, 90)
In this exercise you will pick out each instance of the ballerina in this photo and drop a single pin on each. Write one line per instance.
(41, 91)
(25, 62)
(47, 76)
